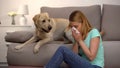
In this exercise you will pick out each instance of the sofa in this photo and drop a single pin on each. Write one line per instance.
(106, 18)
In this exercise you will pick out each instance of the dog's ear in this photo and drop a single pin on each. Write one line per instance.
(36, 17)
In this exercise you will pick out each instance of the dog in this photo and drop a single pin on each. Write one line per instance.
(46, 29)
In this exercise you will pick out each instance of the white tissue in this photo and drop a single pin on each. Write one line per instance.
(73, 28)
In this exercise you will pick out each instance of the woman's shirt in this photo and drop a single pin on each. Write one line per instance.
(99, 59)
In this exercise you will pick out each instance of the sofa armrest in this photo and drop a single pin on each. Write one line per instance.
(18, 36)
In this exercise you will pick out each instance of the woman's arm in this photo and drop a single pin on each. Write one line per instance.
(92, 50)
(75, 48)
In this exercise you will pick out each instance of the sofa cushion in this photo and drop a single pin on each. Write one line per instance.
(26, 57)
(112, 54)
(93, 13)
(18, 36)
(111, 22)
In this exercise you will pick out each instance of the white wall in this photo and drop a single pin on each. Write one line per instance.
(34, 6)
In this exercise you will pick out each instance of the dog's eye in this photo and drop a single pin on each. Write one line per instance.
(43, 20)
(49, 20)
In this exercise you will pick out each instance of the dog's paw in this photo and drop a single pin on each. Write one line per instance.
(36, 49)
(18, 47)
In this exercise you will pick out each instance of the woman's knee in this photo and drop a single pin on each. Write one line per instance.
(62, 47)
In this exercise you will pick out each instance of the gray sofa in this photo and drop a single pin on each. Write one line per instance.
(108, 20)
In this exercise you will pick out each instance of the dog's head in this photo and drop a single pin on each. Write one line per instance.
(43, 22)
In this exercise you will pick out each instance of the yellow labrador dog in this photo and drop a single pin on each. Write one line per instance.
(47, 29)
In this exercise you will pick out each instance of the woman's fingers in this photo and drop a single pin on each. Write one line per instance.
(77, 36)
(73, 32)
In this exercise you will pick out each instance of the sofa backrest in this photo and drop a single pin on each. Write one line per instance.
(93, 13)
(111, 22)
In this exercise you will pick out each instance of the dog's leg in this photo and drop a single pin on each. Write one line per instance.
(33, 39)
(41, 42)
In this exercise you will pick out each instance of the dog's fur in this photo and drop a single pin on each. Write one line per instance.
(46, 27)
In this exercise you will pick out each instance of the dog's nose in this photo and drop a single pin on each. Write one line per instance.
(49, 27)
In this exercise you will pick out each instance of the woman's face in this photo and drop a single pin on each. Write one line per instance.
(77, 25)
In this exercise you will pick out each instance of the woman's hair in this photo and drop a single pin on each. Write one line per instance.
(78, 16)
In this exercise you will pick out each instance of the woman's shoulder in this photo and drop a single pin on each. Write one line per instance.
(94, 32)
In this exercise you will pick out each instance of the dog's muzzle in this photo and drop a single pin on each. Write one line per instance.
(47, 31)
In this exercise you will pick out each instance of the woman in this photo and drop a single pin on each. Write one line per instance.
(87, 51)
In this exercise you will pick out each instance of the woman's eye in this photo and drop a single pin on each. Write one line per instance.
(75, 26)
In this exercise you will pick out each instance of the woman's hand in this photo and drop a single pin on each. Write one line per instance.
(77, 36)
